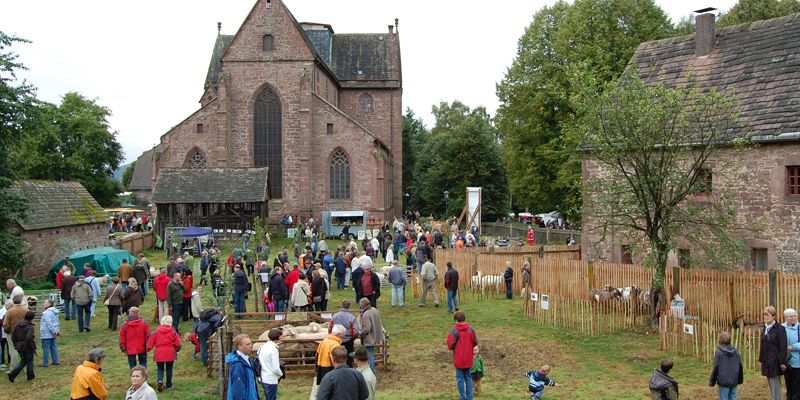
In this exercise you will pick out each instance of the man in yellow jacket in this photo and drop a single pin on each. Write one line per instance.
(324, 360)
(88, 382)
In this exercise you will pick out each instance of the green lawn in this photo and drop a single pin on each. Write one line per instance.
(606, 367)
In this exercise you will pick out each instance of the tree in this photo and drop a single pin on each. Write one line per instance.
(591, 39)
(16, 102)
(746, 11)
(128, 175)
(460, 151)
(72, 142)
(414, 133)
(652, 146)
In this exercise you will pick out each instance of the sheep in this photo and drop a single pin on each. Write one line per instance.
(631, 292)
(491, 280)
(385, 270)
(607, 294)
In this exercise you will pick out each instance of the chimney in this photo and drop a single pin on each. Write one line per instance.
(705, 35)
(391, 28)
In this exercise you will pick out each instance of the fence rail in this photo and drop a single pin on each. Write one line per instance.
(543, 236)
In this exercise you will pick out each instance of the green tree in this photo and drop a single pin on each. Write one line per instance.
(746, 11)
(414, 133)
(460, 151)
(16, 102)
(563, 46)
(128, 175)
(652, 146)
(72, 142)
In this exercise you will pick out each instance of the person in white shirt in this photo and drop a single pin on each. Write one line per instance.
(268, 357)
(16, 290)
(5, 350)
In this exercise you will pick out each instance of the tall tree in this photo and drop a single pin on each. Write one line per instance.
(649, 149)
(16, 102)
(460, 151)
(72, 142)
(564, 44)
(127, 176)
(414, 133)
(746, 11)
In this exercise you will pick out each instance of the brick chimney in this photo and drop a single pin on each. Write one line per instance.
(391, 28)
(705, 35)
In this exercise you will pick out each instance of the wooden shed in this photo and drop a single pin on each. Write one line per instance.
(227, 199)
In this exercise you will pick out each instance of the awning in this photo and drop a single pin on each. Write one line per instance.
(193, 231)
(347, 213)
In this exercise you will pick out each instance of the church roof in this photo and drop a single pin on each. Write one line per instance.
(210, 185)
(215, 66)
(56, 204)
(758, 62)
(355, 59)
(142, 174)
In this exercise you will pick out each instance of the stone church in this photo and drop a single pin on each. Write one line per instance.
(321, 110)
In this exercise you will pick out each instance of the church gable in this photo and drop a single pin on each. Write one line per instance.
(269, 32)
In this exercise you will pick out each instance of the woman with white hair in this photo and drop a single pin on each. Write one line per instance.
(166, 343)
(792, 373)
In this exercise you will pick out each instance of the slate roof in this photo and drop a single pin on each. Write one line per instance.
(210, 185)
(142, 174)
(759, 62)
(376, 55)
(215, 65)
(56, 204)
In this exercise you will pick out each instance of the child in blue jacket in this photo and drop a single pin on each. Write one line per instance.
(538, 380)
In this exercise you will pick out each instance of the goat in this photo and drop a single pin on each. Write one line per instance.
(631, 292)
(747, 327)
(607, 294)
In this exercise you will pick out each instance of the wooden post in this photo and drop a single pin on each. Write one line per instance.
(590, 274)
(773, 287)
(676, 282)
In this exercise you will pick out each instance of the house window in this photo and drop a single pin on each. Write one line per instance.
(330, 129)
(199, 128)
(268, 43)
(267, 139)
(627, 255)
(684, 258)
(758, 259)
(366, 103)
(339, 175)
(703, 183)
(793, 180)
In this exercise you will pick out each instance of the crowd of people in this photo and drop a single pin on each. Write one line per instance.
(130, 222)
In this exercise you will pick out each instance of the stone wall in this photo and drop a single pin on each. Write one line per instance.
(756, 179)
(50, 245)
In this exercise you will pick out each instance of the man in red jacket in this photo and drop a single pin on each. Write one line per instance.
(188, 281)
(133, 338)
(461, 340)
(292, 278)
(160, 286)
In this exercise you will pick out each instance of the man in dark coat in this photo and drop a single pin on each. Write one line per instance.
(278, 291)
(508, 277)
(25, 343)
(70, 309)
(343, 383)
(451, 284)
(239, 289)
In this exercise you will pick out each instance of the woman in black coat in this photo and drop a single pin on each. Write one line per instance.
(772, 355)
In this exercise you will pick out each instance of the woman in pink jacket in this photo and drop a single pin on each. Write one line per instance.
(167, 345)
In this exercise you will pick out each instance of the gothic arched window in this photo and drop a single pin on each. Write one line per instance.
(340, 175)
(365, 103)
(267, 139)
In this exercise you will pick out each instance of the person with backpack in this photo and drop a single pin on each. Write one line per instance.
(268, 359)
(82, 294)
(728, 371)
(24, 340)
(210, 321)
(662, 386)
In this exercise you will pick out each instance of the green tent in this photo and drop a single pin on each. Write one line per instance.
(104, 260)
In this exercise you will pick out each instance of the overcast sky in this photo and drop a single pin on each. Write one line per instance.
(146, 60)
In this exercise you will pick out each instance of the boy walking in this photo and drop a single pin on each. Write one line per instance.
(538, 379)
(662, 386)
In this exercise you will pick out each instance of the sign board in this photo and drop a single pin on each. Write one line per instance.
(473, 207)
(290, 233)
(279, 317)
(545, 302)
(326, 315)
(534, 296)
(688, 328)
(375, 233)
(362, 235)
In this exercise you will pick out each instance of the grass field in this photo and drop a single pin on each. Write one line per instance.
(605, 367)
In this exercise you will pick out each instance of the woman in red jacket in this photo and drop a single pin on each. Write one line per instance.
(167, 344)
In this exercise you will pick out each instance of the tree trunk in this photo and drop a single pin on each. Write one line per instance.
(658, 298)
